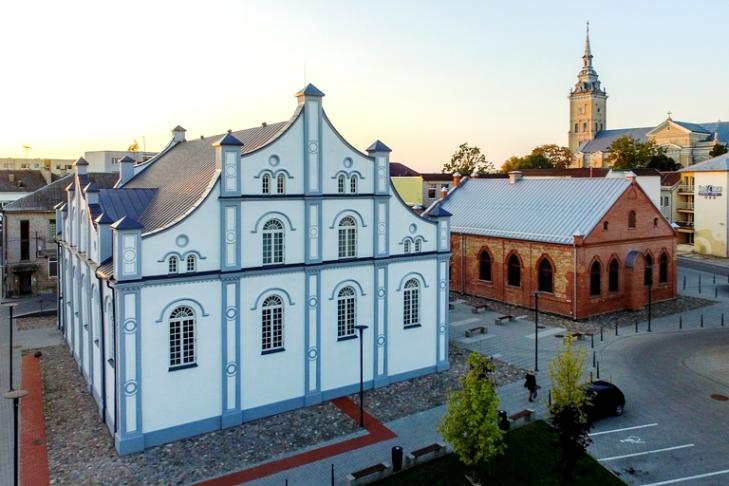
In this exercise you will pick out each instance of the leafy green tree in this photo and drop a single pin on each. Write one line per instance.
(718, 149)
(569, 402)
(561, 157)
(627, 152)
(467, 160)
(470, 423)
(134, 147)
(531, 161)
(663, 162)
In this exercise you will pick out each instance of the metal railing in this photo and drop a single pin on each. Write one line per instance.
(686, 188)
(685, 205)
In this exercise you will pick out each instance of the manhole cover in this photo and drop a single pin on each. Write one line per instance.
(720, 398)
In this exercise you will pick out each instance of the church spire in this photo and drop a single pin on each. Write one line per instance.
(587, 56)
(587, 80)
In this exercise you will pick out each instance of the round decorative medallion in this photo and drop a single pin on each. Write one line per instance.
(442, 284)
(313, 353)
(381, 340)
(381, 292)
(442, 329)
(230, 236)
(381, 228)
(130, 325)
(231, 369)
(273, 160)
(313, 231)
(182, 240)
(313, 302)
(231, 312)
(230, 171)
(313, 147)
(413, 228)
(130, 387)
(381, 171)
(129, 255)
(347, 162)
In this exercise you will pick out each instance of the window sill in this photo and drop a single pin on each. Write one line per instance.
(272, 351)
(347, 338)
(513, 287)
(412, 326)
(347, 258)
(485, 282)
(182, 367)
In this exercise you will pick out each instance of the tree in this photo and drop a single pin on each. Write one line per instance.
(561, 157)
(531, 161)
(663, 162)
(627, 152)
(569, 402)
(467, 160)
(718, 149)
(470, 423)
(134, 147)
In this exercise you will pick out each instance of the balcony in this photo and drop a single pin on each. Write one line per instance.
(685, 189)
(685, 226)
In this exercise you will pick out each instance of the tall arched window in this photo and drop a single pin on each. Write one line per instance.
(406, 246)
(353, 184)
(648, 271)
(182, 337)
(266, 184)
(418, 245)
(191, 263)
(514, 271)
(280, 184)
(595, 279)
(631, 219)
(411, 303)
(272, 324)
(576, 126)
(172, 264)
(347, 237)
(663, 268)
(346, 312)
(614, 276)
(340, 184)
(484, 266)
(111, 331)
(273, 242)
(545, 276)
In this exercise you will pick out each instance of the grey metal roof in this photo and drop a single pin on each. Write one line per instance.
(310, 90)
(720, 163)
(229, 139)
(694, 127)
(721, 127)
(126, 223)
(604, 138)
(548, 210)
(118, 203)
(47, 197)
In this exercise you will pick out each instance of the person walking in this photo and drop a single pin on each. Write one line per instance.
(530, 383)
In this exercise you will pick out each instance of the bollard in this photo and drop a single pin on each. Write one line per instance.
(616, 327)
(593, 359)
(592, 340)
(636, 324)
(549, 397)
(601, 337)
(332, 474)
(598, 370)
(716, 292)
(680, 322)
(699, 283)
(702, 320)
(722, 319)
(286, 482)
(591, 377)
(714, 279)
(684, 282)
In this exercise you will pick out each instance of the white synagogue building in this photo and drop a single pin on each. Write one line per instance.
(222, 280)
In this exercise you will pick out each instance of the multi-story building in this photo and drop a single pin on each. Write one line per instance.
(54, 166)
(224, 279)
(108, 160)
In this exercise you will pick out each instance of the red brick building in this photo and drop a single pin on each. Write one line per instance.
(589, 246)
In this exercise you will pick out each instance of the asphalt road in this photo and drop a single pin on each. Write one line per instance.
(704, 266)
(676, 432)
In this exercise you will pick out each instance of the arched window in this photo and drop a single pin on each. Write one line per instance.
(340, 184)
(272, 324)
(346, 312)
(191, 263)
(406, 246)
(605, 226)
(280, 184)
(266, 184)
(182, 337)
(595, 278)
(172, 264)
(111, 331)
(648, 271)
(584, 126)
(411, 303)
(347, 237)
(514, 271)
(663, 268)
(273, 242)
(484, 266)
(353, 184)
(418, 245)
(545, 276)
(655, 222)
(613, 277)
(576, 126)
(631, 219)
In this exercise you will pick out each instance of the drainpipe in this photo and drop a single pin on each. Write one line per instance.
(463, 277)
(116, 373)
(59, 286)
(102, 345)
(574, 280)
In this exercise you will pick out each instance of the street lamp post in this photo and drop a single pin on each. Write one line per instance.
(650, 304)
(361, 328)
(15, 396)
(536, 331)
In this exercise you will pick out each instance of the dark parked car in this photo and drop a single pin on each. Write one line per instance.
(606, 399)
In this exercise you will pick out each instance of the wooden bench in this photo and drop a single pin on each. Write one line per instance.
(476, 330)
(525, 416)
(368, 474)
(479, 309)
(425, 454)
(500, 320)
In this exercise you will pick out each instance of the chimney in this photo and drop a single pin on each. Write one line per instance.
(456, 179)
(514, 176)
(178, 134)
(126, 169)
(443, 193)
(474, 175)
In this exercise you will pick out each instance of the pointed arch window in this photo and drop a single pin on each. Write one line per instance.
(663, 268)
(595, 279)
(273, 242)
(191, 262)
(484, 266)
(340, 184)
(280, 184)
(353, 184)
(546, 276)
(346, 312)
(514, 271)
(631, 219)
(614, 276)
(272, 324)
(347, 233)
(172, 264)
(411, 303)
(266, 184)
(648, 271)
(182, 337)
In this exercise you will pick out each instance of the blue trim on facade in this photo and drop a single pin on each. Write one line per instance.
(181, 256)
(182, 301)
(347, 212)
(225, 266)
(272, 290)
(178, 432)
(273, 173)
(271, 215)
(442, 279)
(272, 408)
(119, 272)
(408, 276)
(313, 231)
(350, 282)
(233, 149)
(380, 329)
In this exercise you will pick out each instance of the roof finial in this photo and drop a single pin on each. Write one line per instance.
(669, 115)
(587, 57)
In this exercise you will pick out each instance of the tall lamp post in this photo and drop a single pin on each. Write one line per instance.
(15, 396)
(536, 331)
(650, 303)
(361, 328)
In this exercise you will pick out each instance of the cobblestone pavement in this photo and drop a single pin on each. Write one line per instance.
(40, 322)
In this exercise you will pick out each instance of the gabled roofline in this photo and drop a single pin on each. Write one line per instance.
(342, 139)
(281, 132)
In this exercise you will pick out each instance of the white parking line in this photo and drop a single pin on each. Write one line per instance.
(646, 452)
(464, 321)
(689, 478)
(547, 332)
(621, 430)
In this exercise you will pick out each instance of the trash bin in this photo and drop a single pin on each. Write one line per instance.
(504, 420)
(396, 458)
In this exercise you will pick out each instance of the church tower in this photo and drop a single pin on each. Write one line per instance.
(587, 102)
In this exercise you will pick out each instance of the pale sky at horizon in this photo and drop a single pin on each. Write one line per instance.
(422, 76)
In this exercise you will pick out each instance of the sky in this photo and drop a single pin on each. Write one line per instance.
(422, 76)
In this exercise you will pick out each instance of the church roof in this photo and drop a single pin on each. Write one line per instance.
(694, 127)
(720, 163)
(547, 210)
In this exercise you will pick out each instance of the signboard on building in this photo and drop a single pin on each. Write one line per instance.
(710, 191)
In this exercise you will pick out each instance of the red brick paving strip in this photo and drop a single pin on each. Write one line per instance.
(33, 450)
(377, 433)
